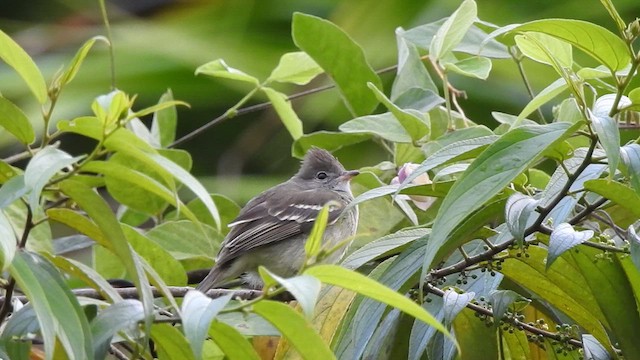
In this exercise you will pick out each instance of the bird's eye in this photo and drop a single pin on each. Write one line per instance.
(321, 175)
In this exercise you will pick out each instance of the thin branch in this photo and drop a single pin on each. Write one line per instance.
(112, 56)
(176, 291)
(525, 80)
(258, 107)
(519, 324)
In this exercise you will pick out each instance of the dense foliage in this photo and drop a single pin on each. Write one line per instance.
(514, 242)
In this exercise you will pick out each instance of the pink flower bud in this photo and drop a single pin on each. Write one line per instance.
(421, 202)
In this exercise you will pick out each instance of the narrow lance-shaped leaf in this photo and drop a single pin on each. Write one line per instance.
(454, 303)
(335, 275)
(617, 192)
(518, 210)
(7, 242)
(630, 156)
(494, 169)
(287, 115)
(295, 328)
(411, 71)
(99, 211)
(170, 343)
(304, 288)
(314, 241)
(412, 121)
(453, 29)
(57, 309)
(340, 57)
(71, 71)
(547, 94)
(21, 62)
(163, 126)
(231, 342)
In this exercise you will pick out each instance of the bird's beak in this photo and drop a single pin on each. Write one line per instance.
(348, 175)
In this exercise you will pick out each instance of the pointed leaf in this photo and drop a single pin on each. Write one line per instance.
(12, 190)
(543, 97)
(593, 350)
(44, 165)
(609, 136)
(518, 210)
(494, 169)
(620, 194)
(453, 29)
(71, 71)
(340, 57)
(335, 275)
(454, 303)
(501, 300)
(14, 120)
(296, 68)
(218, 68)
(8, 241)
(122, 315)
(384, 126)
(413, 122)
(295, 328)
(411, 72)
(231, 342)
(382, 246)
(314, 242)
(287, 115)
(563, 238)
(593, 39)
(304, 288)
(170, 343)
(21, 62)
(198, 311)
(163, 127)
(630, 156)
(561, 50)
(57, 309)
(477, 67)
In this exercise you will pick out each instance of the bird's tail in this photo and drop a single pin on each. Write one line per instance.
(213, 279)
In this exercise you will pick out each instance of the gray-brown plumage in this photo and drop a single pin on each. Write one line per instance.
(272, 228)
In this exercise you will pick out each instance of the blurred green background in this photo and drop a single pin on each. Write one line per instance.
(159, 44)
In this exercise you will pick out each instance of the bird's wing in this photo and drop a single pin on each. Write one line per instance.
(269, 219)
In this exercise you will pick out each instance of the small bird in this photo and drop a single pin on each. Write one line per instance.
(271, 230)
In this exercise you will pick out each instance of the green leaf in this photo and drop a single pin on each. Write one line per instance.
(98, 210)
(89, 126)
(71, 71)
(122, 315)
(561, 285)
(313, 244)
(198, 311)
(609, 136)
(453, 30)
(44, 165)
(57, 309)
(530, 42)
(502, 300)
(8, 241)
(296, 68)
(170, 343)
(518, 213)
(384, 126)
(491, 172)
(620, 24)
(563, 238)
(16, 122)
(304, 288)
(231, 342)
(613, 292)
(620, 194)
(413, 122)
(218, 68)
(382, 247)
(167, 267)
(20, 325)
(630, 156)
(282, 105)
(634, 245)
(163, 126)
(85, 273)
(184, 239)
(12, 190)
(593, 349)
(330, 141)
(543, 97)
(21, 62)
(335, 275)
(454, 303)
(295, 328)
(593, 39)
(411, 72)
(340, 57)
(456, 151)
(477, 67)
(189, 181)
